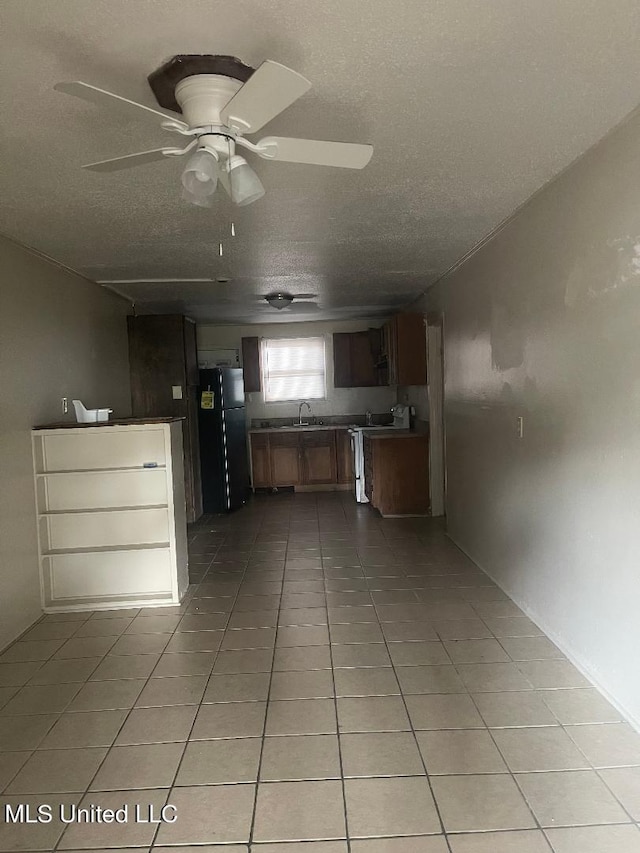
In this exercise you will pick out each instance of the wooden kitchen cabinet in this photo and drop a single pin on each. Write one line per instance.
(405, 349)
(396, 470)
(318, 454)
(163, 365)
(354, 360)
(260, 461)
(344, 456)
(285, 459)
(251, 364)
(304, 458)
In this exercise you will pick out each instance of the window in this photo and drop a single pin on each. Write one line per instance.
(293, 369)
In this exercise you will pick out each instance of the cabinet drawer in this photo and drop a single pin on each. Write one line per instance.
(284, 439)
(316, 438)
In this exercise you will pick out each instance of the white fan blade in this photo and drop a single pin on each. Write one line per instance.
(301, 308)
(103, 98)
(347, 155)
(117, 163)
(270, 90)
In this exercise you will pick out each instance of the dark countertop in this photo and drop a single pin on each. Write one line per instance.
(114, 422)
(307, 428)
(395, 433)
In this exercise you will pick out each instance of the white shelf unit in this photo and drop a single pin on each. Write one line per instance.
(111, 515)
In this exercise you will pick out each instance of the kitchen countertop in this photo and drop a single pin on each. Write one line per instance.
(307, 428)
(394, 433)
(114, 422)
(375, 432)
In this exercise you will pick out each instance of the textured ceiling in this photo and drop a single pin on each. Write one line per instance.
(471, 107)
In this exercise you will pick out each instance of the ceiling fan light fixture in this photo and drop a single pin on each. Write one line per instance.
(279, 300)
(245, 186)
(200, 176)
(199, 200)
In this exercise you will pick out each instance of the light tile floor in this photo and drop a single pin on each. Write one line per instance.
(334, 681)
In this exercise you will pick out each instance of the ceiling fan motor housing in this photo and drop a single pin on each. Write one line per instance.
(203, 96)
(164, 80)
(279, 300)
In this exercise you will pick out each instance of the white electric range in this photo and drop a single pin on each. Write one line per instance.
(401, 420)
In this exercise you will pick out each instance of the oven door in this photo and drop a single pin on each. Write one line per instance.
(357, 445)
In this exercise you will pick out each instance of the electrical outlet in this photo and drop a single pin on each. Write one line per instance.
(520, 426)
(65, 405)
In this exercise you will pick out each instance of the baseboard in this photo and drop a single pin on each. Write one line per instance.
(580, 664)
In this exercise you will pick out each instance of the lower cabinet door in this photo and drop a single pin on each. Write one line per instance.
(285, 460)
(260, 462)
(319, 458)
(344, 455)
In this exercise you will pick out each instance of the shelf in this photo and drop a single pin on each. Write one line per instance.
(101, 470)
(110, 533)
(107, 549)
(101, 509)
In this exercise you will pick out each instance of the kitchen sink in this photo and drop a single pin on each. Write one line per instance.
(300, 426)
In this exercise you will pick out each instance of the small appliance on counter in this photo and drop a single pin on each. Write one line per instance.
(90, 416)
(401, 416)
(401, 420)
(223, 439)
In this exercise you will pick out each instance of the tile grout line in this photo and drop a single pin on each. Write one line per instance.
(266, 708)
(415, 739)
(113, 743)
(126, 717)
(172, 786)
(393, 666)
(337, 717)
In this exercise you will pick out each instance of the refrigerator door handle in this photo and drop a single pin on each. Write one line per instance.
(225, 459)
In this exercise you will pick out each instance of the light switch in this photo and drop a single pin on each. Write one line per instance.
(176, 392)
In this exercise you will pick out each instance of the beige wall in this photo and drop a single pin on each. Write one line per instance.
(544, 322)
(60, 336)
(340, 401)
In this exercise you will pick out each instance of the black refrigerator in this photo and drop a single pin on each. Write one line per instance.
(223, 439)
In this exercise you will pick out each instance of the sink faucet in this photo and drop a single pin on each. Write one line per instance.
(303, 403)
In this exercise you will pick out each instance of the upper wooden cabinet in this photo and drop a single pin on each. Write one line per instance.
(355, 359)
(404, 349)
(163, 362)
(396, 354)
(251, 364)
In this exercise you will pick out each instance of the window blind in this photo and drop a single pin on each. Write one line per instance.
(293, 369)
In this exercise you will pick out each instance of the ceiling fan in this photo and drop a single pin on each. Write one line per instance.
(281, 299)
(222, 100)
